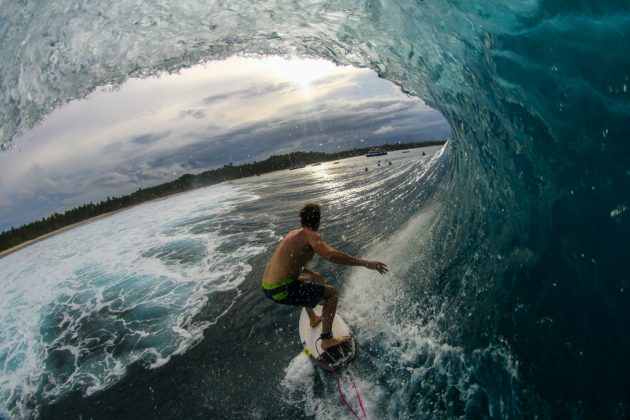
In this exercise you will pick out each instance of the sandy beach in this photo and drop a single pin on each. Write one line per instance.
(55, 232)
(81, 223)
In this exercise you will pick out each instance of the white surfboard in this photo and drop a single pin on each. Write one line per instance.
(335, 358)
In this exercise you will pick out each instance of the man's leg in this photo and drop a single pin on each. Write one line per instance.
(331, 296)
(313, 317)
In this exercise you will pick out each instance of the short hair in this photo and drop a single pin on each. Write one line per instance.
(310, 215)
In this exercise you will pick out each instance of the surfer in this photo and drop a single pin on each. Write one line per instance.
(287, 280)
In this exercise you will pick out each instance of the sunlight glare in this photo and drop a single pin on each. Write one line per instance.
(303, 72)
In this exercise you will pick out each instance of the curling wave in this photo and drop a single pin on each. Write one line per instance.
(527, 249)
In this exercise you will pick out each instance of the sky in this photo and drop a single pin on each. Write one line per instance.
(153, 130)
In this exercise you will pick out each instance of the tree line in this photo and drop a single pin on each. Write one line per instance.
(33, 230)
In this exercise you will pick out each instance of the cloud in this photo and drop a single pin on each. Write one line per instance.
(384, 129)
(146, 139)
(332, 79)
(113, 144)
(209, 100)
(50, 185)
(256, 90)
(111, 179)
(36, 169)
(194, 113)
(329, 127)
(26, 194)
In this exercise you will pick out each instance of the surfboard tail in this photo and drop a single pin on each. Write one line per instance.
(335, 357)
(338, 356)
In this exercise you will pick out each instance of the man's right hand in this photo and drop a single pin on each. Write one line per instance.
(377, 265)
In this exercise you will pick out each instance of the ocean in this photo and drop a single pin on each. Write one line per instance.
(508, 290)
(175, 284)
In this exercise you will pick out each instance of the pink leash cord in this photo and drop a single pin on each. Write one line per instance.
(356, 391)
(343, 398)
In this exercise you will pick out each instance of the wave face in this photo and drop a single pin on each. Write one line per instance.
(527, 250)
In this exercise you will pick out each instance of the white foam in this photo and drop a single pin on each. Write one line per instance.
(409, 358)
(133, 281)
(299, 383)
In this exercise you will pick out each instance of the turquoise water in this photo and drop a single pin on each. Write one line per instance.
(525, 257)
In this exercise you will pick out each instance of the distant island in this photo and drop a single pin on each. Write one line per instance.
(31, 231)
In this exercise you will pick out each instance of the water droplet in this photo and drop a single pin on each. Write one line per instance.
(617, 211)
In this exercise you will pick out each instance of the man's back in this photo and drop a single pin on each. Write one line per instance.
(291, 255)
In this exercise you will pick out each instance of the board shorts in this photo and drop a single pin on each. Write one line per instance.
(295, 292)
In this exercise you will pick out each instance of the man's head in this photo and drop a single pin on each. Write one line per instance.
(309, 216)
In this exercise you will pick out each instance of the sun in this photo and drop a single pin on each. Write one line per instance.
(303, 72)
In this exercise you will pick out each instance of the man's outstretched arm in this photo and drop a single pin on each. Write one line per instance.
(328, 253)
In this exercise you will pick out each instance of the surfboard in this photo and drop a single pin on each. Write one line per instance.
(336, 357)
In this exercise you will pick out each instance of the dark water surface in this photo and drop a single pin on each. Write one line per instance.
(249, 363)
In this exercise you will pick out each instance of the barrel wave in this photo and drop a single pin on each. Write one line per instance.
(520, 251)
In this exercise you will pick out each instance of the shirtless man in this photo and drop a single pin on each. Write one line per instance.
(286, 278)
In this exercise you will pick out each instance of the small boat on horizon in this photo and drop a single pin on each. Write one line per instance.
(297, 165)
(376, 151)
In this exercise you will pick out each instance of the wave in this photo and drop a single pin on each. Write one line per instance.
(528, 246)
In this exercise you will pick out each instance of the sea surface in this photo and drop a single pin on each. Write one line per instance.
(508, 291)
(175, 284)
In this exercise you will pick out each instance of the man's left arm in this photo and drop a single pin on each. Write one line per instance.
(321, 248)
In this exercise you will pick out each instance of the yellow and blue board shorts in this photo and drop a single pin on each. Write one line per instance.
(295, 292)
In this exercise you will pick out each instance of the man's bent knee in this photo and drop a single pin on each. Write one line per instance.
(330, 292)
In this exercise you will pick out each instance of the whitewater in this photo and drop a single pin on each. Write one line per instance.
(512, 295)
(80, 307)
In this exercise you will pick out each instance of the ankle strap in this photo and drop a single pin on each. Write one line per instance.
(326, 336)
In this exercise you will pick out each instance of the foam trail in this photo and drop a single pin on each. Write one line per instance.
(122, 289)
(299, 383)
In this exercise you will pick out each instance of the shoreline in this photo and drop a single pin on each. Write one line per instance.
(48, 235)
(78, 224)
(56, 232)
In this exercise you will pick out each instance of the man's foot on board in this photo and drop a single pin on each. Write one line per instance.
(335, 341)
(315, 321)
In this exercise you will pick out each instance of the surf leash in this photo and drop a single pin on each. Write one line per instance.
(341, 394)
(356, 391)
